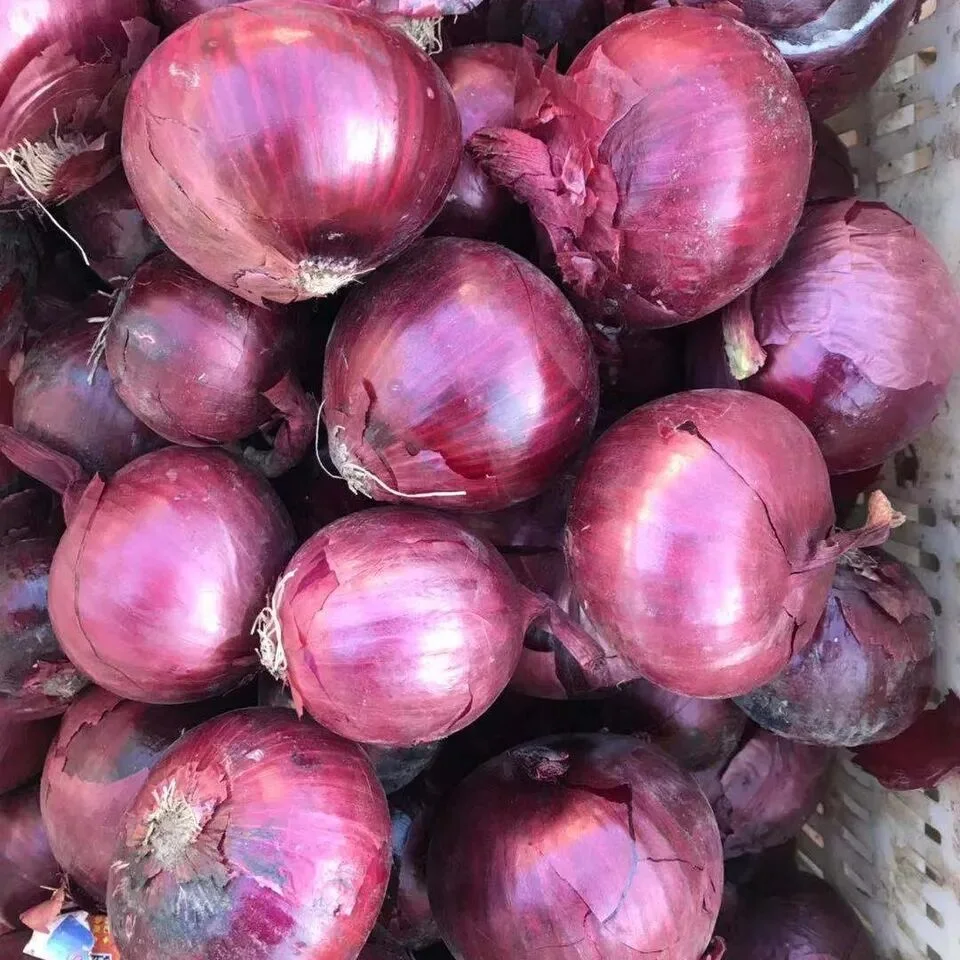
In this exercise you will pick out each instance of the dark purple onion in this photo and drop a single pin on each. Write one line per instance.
(23, 748)
(832, 175)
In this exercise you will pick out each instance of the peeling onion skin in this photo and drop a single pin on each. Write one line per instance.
(869, 670)
(399, 627)
(766, 792)
(313, 215)
(292, 858)
(572, 846)
(696, 554)
(36, 679)
(64, 71)
(111, 229)
(200, 366)
(56, 403)
(872, 379)
(102, 755)
(156, 583)
(483, 80)
(28, 871)
(459, 369)
(23, 747)
(685, 151)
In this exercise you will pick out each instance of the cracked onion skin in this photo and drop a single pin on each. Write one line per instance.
(289, 854)
(576, 846)
(310, 145)
(700, 540)
(100, 758)
(398, 626)
(459, 370)
(156, 584)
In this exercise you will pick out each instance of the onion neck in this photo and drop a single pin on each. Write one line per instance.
(322, 276)
(173, 827)
(745, 356)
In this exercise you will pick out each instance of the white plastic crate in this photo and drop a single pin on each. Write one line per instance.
(896, 856)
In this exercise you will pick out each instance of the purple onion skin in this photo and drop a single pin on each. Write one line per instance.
(870, 381)
(806, 918)
(58, 404)
(103, 754)
(160, 576)
(292, 814)
(12, 944)
(459, 369)
(483, 79)
(317, 214)
(644, 874)
(175, 13)
(869, 670)
(111, 229)
(23, 747)
(36, 678)
(696, 733)
(28, 871)
(360, 610)
(832, 175)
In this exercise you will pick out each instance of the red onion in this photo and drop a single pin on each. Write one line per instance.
(807, 919)
(921, 757)
(766, 792)
(697, 733)
(395, 627)
(102, 756)
(573, 847)
(12, 945)
(110, 227)
(854, 331)
(667, 169)
(700, 540)
(28, 872)
(201, 366)
(869, 671)
(483, 79)
(257, 835)
(23, 747)
(459, 376)
(156, 584)
(63, 402)
(36, 679)
(406, 915)
(329, 144)
(64, 71)
(832, 175)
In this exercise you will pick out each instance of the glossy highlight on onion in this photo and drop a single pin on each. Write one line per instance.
(258, 835)
(394, 627)
(459, 377)
(700, 540)
(329, 144)
(574, 844)
(157, 582)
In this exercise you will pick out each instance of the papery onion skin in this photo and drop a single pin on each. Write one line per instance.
(103, 754)
(28, 871)
(71, 406)
(685, 151)
(832, 175)
(203, 367)
(459, 375)
(157, 582)
(698, 555)
(111, 229)
(483, 80)
(292, 855)
(644, 874)
(806, 918)
(36, 679)
(64, 71)
(398, 626)
(23, 747)
(314, 214)
(869, 670)
(766, 792)
(870, 380)
(696, 733)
